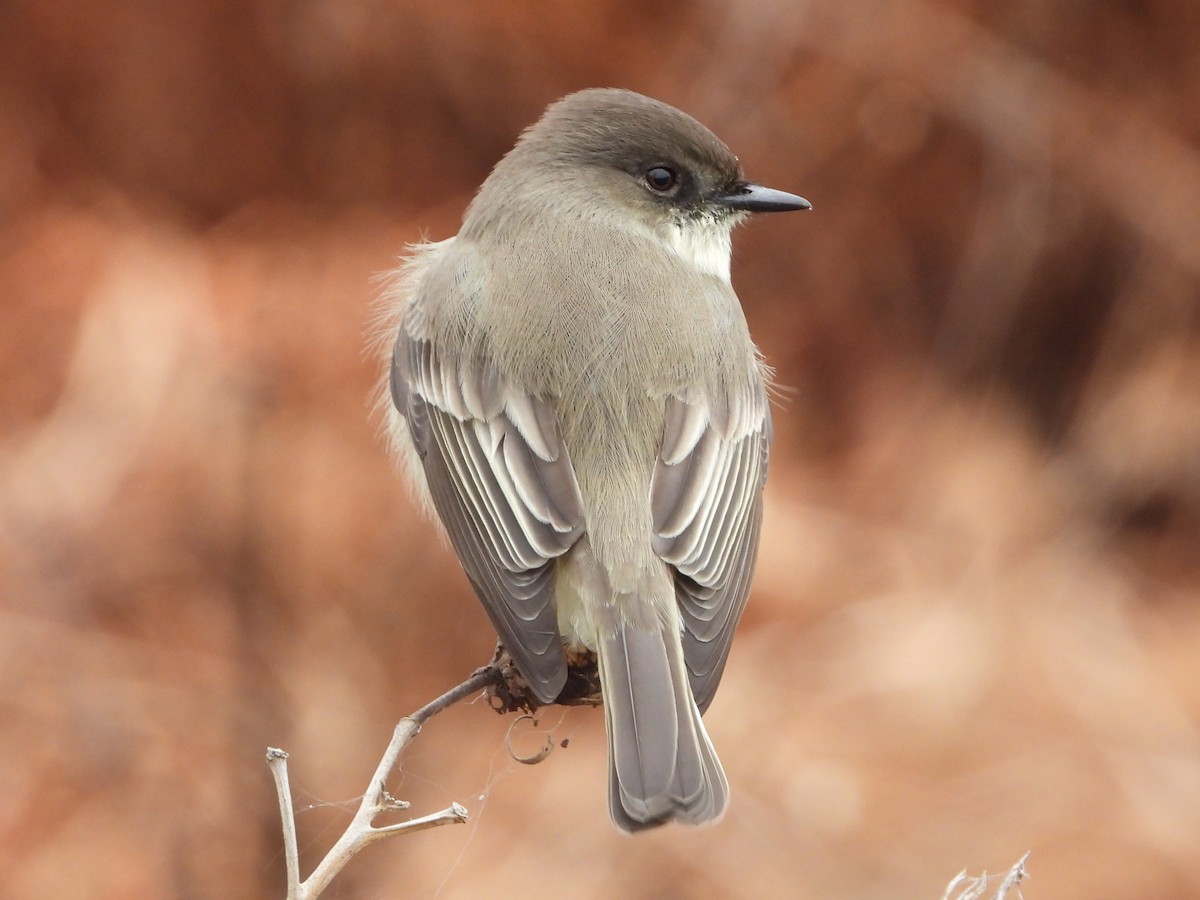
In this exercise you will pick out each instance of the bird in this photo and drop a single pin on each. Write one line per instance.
(575, 394)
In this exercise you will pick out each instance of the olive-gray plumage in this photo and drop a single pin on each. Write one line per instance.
(588, 415)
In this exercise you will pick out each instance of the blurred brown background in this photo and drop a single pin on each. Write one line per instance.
(975, 629)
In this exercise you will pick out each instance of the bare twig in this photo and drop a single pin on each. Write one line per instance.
(973, 888)
(376, 799)
(277, 760)
(1013, 878)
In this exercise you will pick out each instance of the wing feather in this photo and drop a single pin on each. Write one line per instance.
(504, 488)
(706, 503)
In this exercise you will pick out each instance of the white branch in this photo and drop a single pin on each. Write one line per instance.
(361, 831)
(277, 760)
(974, 888)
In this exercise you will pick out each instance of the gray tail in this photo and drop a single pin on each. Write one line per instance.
(662, 764)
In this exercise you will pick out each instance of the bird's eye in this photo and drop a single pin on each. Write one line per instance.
(661, 179)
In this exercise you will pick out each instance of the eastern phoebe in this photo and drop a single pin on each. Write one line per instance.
(588, 415)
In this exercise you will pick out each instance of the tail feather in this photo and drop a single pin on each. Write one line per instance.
(662, 764)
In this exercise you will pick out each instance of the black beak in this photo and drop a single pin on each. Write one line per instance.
(756, 198)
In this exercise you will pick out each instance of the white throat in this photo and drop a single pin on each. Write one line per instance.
(704, 243)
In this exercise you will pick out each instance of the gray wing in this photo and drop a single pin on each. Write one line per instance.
(505, 490)
(706, 499)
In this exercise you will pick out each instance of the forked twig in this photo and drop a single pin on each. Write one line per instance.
(376, 800)
(966, 887)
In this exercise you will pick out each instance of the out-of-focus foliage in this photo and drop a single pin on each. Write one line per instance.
(975, 629)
